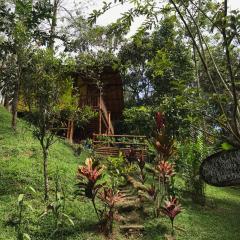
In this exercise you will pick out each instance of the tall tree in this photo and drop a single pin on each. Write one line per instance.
(47, 93)
(20, 28)
(223, 22)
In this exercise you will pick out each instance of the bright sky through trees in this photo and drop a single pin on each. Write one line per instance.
(113, 14)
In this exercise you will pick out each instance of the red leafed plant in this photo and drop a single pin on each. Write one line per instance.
(109, 198)
(141, 163)
(171, 209)
(152, 192)
(163, 142)
(160, 120)
(89, 175)
(90, 172)
(166, 170)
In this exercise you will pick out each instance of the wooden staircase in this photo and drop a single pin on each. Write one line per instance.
(105, 118)
(102, 125)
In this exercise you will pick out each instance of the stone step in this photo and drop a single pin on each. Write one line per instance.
(132, 227)
(128, 205)
(131, 218)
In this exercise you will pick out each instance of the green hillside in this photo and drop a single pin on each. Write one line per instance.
(21, 168)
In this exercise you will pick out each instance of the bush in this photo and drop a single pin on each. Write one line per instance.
(138, 120)
(191, 154)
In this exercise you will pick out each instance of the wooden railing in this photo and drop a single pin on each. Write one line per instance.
(117, 140)
(106, 115)
(112, 145)
(92, 101)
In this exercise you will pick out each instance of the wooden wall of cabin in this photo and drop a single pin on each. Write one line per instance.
(112, 94)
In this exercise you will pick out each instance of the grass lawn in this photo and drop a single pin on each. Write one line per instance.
(21, 168)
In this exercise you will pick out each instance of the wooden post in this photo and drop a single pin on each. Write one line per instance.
(70, 131)
(100, 113)
(100, 121)
(109, 120)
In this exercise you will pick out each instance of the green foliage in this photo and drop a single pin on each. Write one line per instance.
(160, 63)
(20, 24)
(117, 168)
(138, 120)
(48, 90)
(57, 208)
(20, 156)
(22, 222)
(191, 155)
(81, 116)
(226, 146)
(154, 63)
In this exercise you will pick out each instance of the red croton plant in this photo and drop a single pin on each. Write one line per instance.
(164, 145)
(88, 176)
(166, 170)
(171, 209)
(88, 171)
(109, 198)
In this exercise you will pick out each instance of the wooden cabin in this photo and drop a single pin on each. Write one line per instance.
(104, 95)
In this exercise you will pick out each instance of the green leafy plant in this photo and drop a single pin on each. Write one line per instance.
(21, 226)
(57, 208)
(117, 168)
(191, 155)
(138, 120)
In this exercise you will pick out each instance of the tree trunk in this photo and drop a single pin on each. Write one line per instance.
(226, 44)
(6, 102)
(53, 25)
(15, 105)
(45, 173)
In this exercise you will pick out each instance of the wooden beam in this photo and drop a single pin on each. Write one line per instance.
(128, 136)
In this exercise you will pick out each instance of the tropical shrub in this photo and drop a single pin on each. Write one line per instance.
(171, 209)
(138, 120)
(56, 209)
(89, 177)
(109, 198)
(93, 186)
(191, 154)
